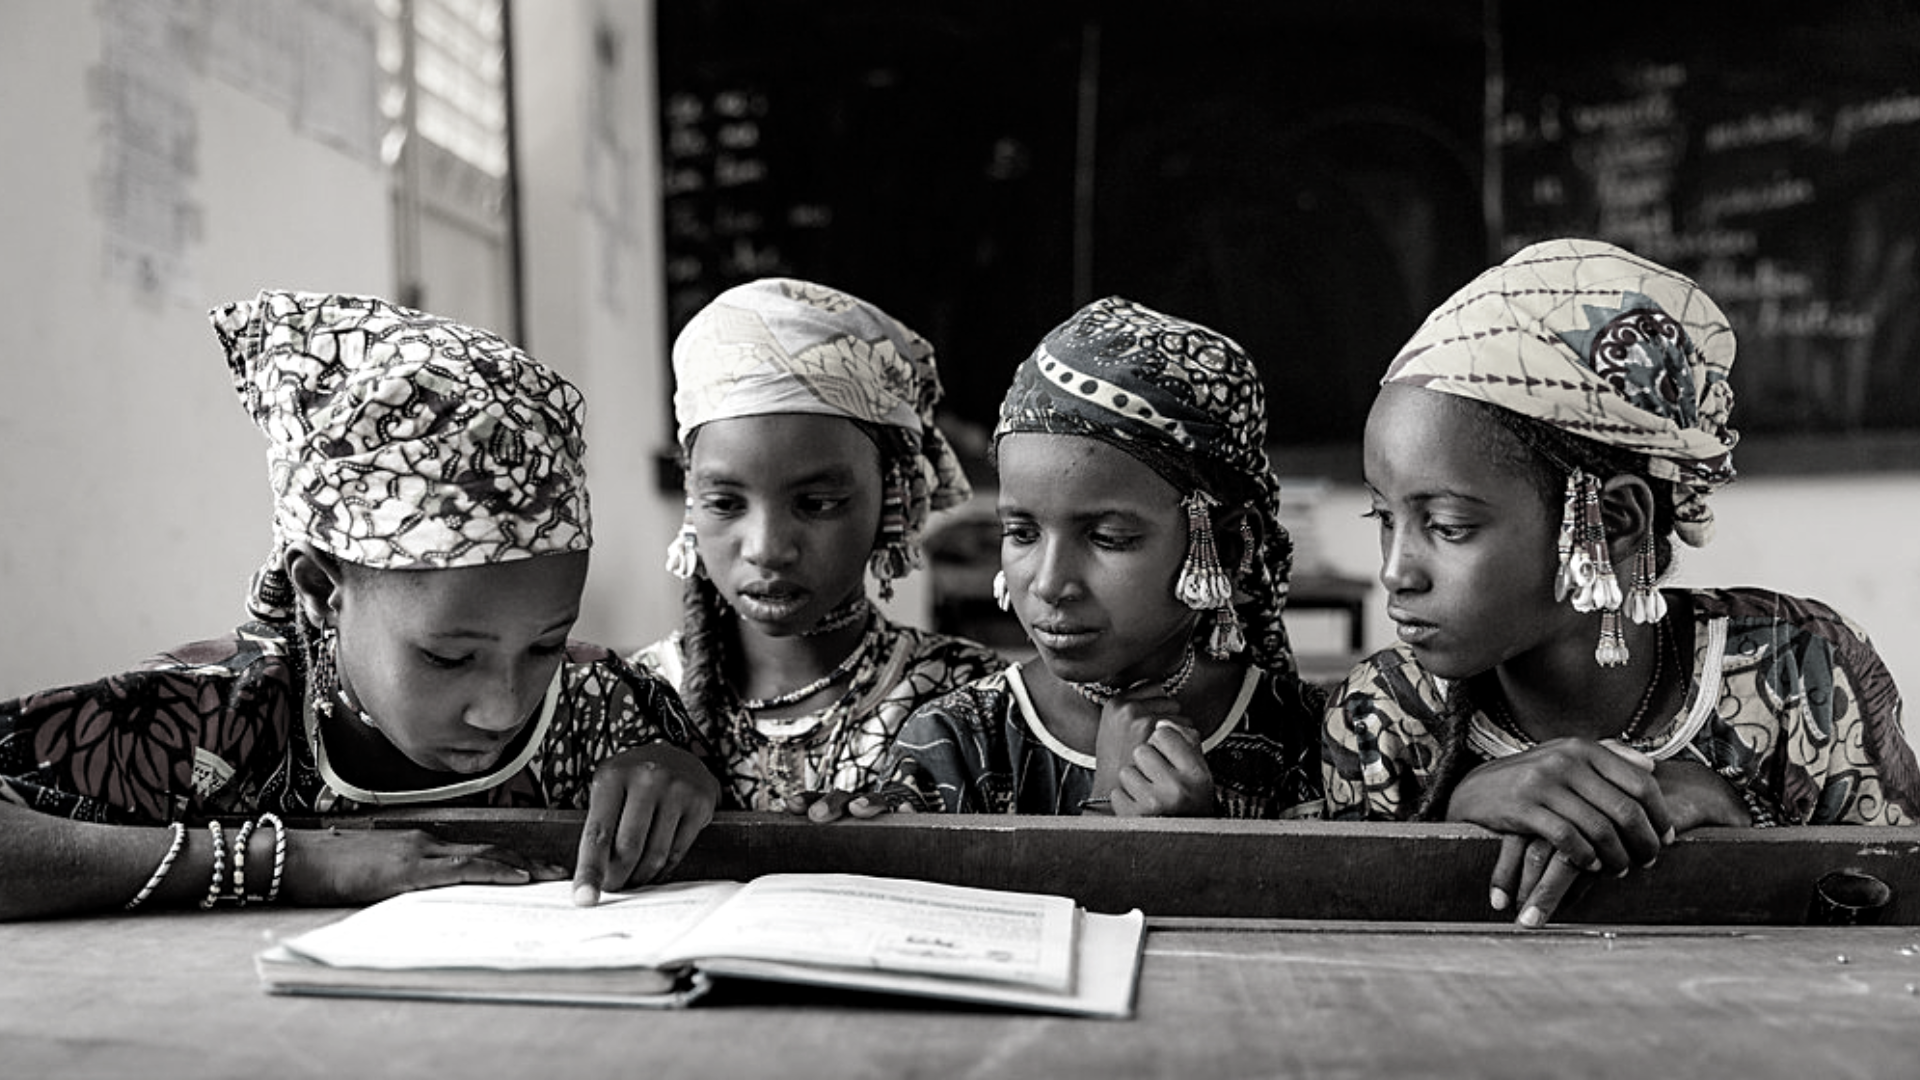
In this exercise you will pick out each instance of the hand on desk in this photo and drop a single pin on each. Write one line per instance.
(1147, 757)
(644, 810)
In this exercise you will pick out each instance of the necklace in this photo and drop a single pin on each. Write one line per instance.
(1100, 693)
(841, 617)
(802, 693)
(1636, 724)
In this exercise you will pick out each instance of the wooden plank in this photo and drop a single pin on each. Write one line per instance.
(1253, 869)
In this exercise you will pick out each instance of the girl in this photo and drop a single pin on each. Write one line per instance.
(1532, 451)
(409, 646)
(806, 427)
(1142, 553)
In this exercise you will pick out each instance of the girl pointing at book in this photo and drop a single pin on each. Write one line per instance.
(408, 646)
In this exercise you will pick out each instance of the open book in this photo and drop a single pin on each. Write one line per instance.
(663, 945)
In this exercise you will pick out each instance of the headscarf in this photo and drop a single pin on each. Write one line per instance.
(399, 440)
(1601, 343)
(779, 345)
(1183, 399)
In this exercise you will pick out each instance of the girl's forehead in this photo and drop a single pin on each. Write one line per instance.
(781, 444)
(1077, 468)
(1422, 444)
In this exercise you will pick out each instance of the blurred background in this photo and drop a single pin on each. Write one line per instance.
(581, 175)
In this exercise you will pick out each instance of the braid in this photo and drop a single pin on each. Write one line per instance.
(703, 642)
(1452, 760)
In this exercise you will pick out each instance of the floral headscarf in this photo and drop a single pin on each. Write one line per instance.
(779, 345)
(1183, 399)
(1601, 343)
(401, 440)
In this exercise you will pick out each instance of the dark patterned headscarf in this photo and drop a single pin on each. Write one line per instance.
(402, 440)
(1184, 400)
(1601, 343)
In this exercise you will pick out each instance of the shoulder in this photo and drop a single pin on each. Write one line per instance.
(1390, 678)
(1762, 620)
(960, 659)
(594, 672)
(663, 658)
(975, 704)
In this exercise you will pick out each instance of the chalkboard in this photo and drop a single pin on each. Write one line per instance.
(1769, 150)
(1307, 181)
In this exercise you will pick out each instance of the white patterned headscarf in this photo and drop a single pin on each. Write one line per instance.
(399, 440)
(1600, 343)
(780, 345)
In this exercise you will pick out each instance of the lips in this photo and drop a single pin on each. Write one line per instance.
(1412, 630)
(772, 601)
(1061, 636)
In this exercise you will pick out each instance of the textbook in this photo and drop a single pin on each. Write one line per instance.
(663, 946)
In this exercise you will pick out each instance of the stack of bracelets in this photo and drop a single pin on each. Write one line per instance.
(219, 891)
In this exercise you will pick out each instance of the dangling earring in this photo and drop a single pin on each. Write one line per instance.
(1203, 584)
(1645, 604)
(893, 555)
(683, 554)
(1586, 569)
(327, 688)
(1002, 596)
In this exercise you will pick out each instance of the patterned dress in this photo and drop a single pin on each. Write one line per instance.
(220, 727)
(766, 761)
(985, 749)
(1788, 701)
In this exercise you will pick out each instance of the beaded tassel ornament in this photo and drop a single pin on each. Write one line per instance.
(683, 554)
(894, 556)
(1645, 604)
(1586, 569)
(1204, 584)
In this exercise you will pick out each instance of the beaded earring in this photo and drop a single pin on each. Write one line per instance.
(326, 688)
(1645, 604)
(1586, 569)
(893, 555)
(683, 554)
(1002, 596)
(1204, 585)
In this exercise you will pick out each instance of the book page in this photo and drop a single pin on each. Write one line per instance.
(513, 927)
(852, 921)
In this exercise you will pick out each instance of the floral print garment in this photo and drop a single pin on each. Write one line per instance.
(979, 751)
(1788, 699)
(215, 728)
(764, 763)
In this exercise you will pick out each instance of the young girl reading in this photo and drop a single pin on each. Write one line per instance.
(1532, 452)
(806, 426)
(408, 646)
(1142, 552)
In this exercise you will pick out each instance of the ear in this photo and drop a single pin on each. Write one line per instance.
(316, 578)
(1626, 512)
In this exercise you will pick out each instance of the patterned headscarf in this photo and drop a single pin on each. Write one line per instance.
(401, 440)
(1181, 398)
(1601, 343)
(779, 345)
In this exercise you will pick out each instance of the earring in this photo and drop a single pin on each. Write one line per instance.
(683, 554)
(1203, 584)
(327, 687)
(1002, 597)
(1645, 604)
(893, 556)
(1586, 569)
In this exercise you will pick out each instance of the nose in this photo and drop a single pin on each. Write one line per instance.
(502, 703)
(1400, 568)
(1055, 575)
(769, 539)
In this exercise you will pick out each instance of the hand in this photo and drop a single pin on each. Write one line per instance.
(353, 867)
(825, 806)
(643, 812)
(1596, 803)
(1698, 796)
(1147, 757)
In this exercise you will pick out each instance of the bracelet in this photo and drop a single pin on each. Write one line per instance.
(219, 858)
(1758, 809)
(179, 832)
(239, 893)
(279, 855)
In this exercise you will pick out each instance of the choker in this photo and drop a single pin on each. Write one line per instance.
(1100, 693)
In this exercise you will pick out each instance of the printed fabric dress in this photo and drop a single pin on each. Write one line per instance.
(984, 749)
(765, 762)
(1789, 701)
(222, 727)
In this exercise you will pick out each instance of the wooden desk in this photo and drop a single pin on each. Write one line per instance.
(174, 995)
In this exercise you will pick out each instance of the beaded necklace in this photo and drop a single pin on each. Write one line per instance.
(1636, 724)
(1100, 693)
(802, 693)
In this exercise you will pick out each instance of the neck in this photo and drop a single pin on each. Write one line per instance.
(767, 666)
(1572, 696)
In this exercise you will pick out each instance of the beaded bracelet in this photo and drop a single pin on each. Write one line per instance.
(219, 859)
(179, 832)
(279, 855)
(1758, 809)
(240, 838)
